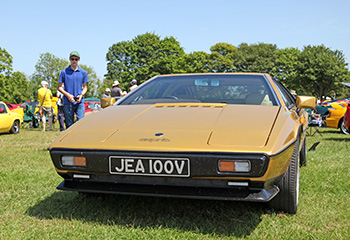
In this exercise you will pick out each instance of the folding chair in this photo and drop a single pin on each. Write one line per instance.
(29, 119)
(314, 123)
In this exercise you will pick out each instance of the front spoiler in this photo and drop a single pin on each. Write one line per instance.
(231, 194)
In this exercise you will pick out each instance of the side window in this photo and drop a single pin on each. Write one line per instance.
(2, 108)
(288, 99)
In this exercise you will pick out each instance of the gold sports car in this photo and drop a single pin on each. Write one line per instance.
(9, 121)
(230, 136)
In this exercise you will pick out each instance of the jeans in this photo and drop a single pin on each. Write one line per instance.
(70, 109)
(60, 116)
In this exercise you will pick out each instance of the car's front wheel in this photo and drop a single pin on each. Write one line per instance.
(303, 154)
(342, 127)
(15, 127)
(288, 197)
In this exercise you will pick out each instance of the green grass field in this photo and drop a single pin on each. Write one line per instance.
(32, 208)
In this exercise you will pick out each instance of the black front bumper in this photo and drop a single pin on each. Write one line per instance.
(232, 194)
(205, 180)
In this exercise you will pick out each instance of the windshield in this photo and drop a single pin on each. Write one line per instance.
(230, 89)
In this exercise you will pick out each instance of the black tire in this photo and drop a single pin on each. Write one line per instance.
(287, 199)
(15, 127)
(342, 127)
(303, 155)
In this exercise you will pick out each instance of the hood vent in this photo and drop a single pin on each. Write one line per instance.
(194, 105)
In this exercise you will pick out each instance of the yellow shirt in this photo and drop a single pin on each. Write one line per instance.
(47, 100)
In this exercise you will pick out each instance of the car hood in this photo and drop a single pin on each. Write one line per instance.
(168, 127)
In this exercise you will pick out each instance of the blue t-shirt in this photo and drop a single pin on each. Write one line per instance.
(73, 82)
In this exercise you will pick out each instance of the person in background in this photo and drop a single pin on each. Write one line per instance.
(133, 84)
(334, 97)
(60, 110)
(116, 90)
(107, 93)
(294, 93)
(45, 107)
(75, 82)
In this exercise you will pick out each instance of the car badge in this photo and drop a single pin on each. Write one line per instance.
(159, 134)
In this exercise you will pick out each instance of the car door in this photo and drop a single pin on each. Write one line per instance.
(5, 119)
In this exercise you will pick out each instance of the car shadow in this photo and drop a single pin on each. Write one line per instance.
(224, 218)
(343, 139)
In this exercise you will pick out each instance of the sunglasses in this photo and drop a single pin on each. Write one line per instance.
(74, 59)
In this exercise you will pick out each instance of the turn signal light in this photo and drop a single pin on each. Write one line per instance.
(234, 165)
(74, 161)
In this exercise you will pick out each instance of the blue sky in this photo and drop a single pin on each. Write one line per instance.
(30, 28)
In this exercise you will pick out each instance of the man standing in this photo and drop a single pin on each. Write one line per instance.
(75, 82)
(116, 90)
(45, 107)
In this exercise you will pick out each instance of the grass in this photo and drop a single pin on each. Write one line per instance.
(32, 208)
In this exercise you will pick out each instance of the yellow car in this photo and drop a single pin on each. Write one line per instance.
(335, 118)
(9, 121)
(230, 136)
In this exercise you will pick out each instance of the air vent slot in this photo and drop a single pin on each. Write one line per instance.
(192, 105)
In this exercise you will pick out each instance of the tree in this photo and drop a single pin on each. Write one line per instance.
(5, 62)
(48, 68)
(255, 58)
(142, 58)
(19, 89)
(13, 86)
(222, 57)
(285, 69)
(94, 82)
(195, 62)
(321, 70)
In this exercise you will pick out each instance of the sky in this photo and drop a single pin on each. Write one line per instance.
(31, 28)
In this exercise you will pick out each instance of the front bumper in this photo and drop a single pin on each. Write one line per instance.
(204, 182)
(232, 194)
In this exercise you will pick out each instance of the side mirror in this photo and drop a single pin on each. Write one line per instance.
(305, 102)
(106, 102)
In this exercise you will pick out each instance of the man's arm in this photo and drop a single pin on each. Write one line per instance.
(68, 95)
(83, 92)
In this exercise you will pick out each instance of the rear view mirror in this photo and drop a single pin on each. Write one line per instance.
(305, 102)
(207, 83)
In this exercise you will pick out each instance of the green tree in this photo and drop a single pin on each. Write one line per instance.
(19, 89)
(145, 56)
(285, 69)
(14, 87)
(5, 62)
(255, 58)
(48, 68)
(195, 62)
(94, 82)
(321, 70)
(222, 57)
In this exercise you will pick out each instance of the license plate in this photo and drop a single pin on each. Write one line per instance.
(169, 167)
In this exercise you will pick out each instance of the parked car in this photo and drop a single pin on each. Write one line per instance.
(230, 136)
(335, 117)
(12, 106)
(9, 121)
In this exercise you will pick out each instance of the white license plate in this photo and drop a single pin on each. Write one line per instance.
(169, 167)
